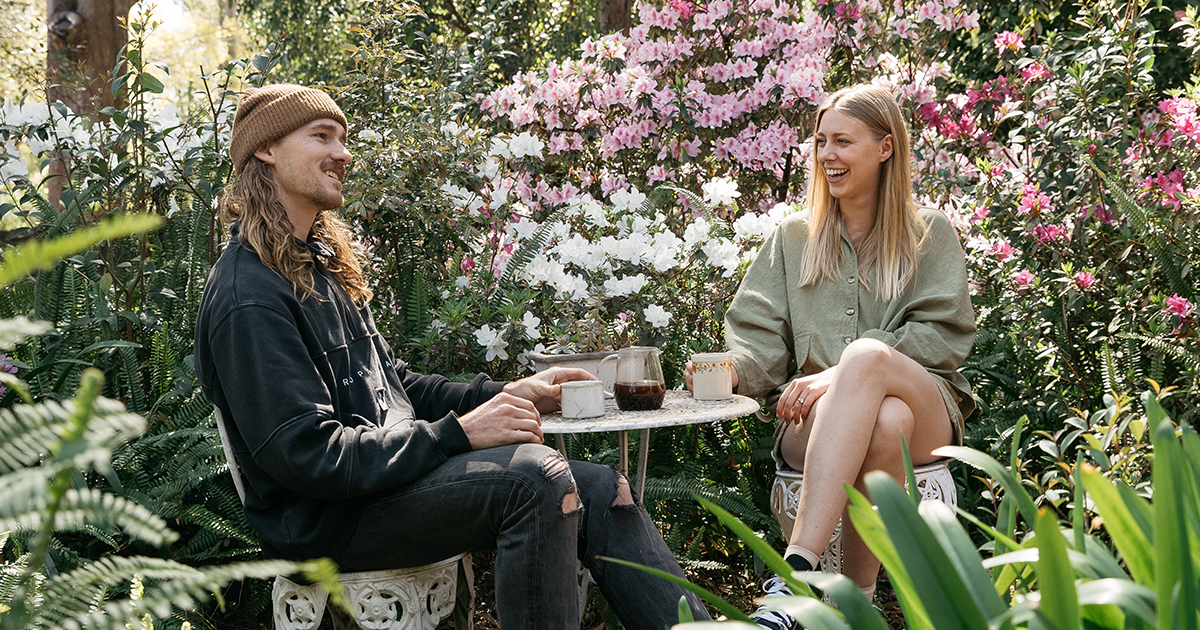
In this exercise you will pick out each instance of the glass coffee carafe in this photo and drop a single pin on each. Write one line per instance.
(639, 384)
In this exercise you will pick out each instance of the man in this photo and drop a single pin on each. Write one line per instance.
(348, 454)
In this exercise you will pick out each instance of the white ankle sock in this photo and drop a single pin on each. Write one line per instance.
(812, 558)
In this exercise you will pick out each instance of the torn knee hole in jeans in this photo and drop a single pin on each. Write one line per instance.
(554, 467)
(624, 496)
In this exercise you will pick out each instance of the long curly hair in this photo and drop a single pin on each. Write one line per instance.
(250, 201)
(890, 248)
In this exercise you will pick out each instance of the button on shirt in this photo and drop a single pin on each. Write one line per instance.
(778, 330)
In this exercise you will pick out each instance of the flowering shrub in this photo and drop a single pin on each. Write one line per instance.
(1030, 163)
(1065, 176)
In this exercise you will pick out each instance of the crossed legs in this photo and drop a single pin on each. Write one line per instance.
(876, 396)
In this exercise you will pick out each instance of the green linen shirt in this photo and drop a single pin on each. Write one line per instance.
(778, 330)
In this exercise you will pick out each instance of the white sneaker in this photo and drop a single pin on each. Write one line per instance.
(774, 619)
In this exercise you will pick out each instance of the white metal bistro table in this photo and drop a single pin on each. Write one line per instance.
(679, 408)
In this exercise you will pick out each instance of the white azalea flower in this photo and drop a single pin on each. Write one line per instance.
(696, 233)
(657, 316)
(369, 135)
(500, 197)
(489, 168)
(627, 200)
(523, 228)
(525, 145)
(625, 286)
(461, 197)
(571, 287)
(720, 191)
(751, 225)
(500, 148)
(452, 128)
(461, 282)
(542, 269)
(531, 324)
(11, 164)
(722, 253)
(493, 341)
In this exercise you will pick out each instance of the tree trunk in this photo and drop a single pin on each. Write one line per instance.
(83, 40)
(228, 15)
(82, 44)
(616, 15)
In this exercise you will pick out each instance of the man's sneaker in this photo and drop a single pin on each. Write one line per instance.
(774, 619)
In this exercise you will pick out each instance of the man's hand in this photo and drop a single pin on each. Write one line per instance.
(504, 419)
(543, 389)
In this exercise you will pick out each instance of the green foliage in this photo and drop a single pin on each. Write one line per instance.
(1053, 576)
(46, 449)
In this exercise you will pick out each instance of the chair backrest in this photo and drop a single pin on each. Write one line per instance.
(233, 465)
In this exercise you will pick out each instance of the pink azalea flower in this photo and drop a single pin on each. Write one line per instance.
(1024, 279)
(1178, 306)
(1033, 201)
(1084, 280)
(1035, 72)
(1052, 233)
(1178, 106)
(1099, 212)
(1009, 40)
(1002, 250)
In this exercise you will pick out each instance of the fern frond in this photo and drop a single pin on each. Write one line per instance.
(528, 250)
(1151, 235)
(1108, 369)
(683, 488)
(28, 432)
(169, 585)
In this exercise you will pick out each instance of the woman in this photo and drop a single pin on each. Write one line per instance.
(856, 313)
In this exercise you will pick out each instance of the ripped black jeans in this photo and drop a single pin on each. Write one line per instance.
(540, 516)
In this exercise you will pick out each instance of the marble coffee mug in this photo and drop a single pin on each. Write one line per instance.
(712, 378)
(583, 399)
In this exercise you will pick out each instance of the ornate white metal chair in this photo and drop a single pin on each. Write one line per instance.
(933, 480)
(416, 598)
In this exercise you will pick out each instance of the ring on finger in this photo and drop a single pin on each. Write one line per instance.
(801, 400)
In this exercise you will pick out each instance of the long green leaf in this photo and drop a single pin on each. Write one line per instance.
(1132, 598)
(850, 600)
(954, 539)
(947, 599)
(870, 528)
(812, 614)
(729, 610)
(1056, 578)
(33, 255)
(1130, 539)
(773, 560)
(996, 471)
(1176, 581)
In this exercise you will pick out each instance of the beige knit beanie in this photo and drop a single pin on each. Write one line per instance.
(267, 114)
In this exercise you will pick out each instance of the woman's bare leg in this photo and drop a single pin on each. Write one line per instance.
(876, 396)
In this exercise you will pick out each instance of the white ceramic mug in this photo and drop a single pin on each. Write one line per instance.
(712, 377)
(583, 399)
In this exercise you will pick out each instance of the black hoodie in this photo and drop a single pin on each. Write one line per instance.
(320, 414)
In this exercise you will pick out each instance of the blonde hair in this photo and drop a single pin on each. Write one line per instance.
(263, 226)
(890, 248)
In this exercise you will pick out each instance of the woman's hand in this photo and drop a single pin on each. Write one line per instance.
(690, 369)
(801, 394)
